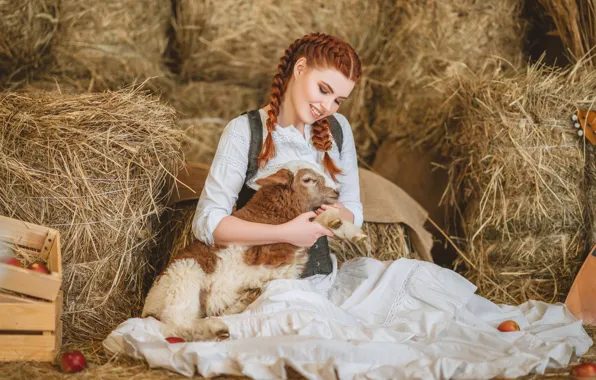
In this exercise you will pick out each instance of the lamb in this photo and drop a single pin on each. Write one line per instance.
(203, 281)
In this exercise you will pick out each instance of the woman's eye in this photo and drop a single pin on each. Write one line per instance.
(322, 90)
(338, 102)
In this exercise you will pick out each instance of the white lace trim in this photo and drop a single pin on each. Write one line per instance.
(228, 161)
(399, 297)
(233, 134)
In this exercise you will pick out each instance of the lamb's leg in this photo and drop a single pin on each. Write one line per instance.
(222, 296)
(330, 219)
(248, 296)
(175, 297)
(341, 228)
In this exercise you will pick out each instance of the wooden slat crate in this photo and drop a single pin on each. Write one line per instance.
(30, 302)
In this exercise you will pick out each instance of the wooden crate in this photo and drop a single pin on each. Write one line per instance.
(30, 314)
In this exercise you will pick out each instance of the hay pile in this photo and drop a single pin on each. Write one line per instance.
(519, 179)
(112, 45)
(431, 43)
(27, 28)
(92, 166)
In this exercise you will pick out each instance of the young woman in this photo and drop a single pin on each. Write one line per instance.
(316, 74)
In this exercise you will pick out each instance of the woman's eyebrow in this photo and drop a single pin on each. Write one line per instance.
(331, 90)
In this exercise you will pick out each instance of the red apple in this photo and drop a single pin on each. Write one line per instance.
(174, 339)
(508, 326)
(11, 261)
(585, 370)
(73, 361)
(39, 267)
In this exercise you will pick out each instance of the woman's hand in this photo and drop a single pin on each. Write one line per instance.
(344, 213)
(301, 232)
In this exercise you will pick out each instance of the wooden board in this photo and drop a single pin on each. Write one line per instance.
(38, 240)
(27, 347)
(40, 316)
(25, 281)
(30, 331)
(22, 233)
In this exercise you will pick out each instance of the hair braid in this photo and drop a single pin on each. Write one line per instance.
(320, 50)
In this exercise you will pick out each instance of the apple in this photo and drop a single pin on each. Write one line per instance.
(11, 261)
(585, 370)
(39, 267)
(508, 326)
(174, 339)
(73, 361)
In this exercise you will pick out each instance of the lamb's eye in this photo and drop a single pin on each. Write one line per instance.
(307, 180)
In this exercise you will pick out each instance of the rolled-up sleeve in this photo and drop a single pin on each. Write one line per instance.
(349, 182)
(225, 180)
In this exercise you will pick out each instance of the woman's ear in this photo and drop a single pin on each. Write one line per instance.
(300, 66)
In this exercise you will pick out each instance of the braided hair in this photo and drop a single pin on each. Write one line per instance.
(320, 50)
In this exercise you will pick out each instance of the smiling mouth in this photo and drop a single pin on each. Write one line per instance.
(316, 113)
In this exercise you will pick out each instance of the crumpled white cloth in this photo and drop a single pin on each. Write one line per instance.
(404, 319)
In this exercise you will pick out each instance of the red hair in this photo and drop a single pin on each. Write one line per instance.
(321, 51)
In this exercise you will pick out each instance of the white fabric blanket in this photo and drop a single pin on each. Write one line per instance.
(404, 319)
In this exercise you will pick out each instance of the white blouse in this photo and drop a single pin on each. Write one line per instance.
(228, 169)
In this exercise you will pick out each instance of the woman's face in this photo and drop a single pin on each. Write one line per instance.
(316, 94)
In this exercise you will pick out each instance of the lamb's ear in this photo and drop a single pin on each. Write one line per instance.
(281, 177)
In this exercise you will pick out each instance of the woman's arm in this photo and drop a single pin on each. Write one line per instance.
(212, 222)
(300, 232)
(225, 180)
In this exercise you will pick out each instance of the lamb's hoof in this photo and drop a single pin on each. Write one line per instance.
(210, 329)
(222, 335)
(360, 238)
(335, 224)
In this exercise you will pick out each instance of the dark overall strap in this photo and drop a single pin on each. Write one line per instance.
(319, 261)
(256, 141)
(336, 132)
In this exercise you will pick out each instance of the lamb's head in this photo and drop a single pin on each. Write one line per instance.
(309, 186)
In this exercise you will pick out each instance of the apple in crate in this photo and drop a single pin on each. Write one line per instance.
(39, 267)
(11, 261)
(73, 361)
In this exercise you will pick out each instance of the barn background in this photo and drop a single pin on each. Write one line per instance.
(465, 104)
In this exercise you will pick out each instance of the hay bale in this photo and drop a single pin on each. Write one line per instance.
(430, 44)
(241, 44)
(574, 22)
(386, 241)
(519, 180)
(205, 109)
(27, 28)
(112, 45)
(92, 166)
(215, 99)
